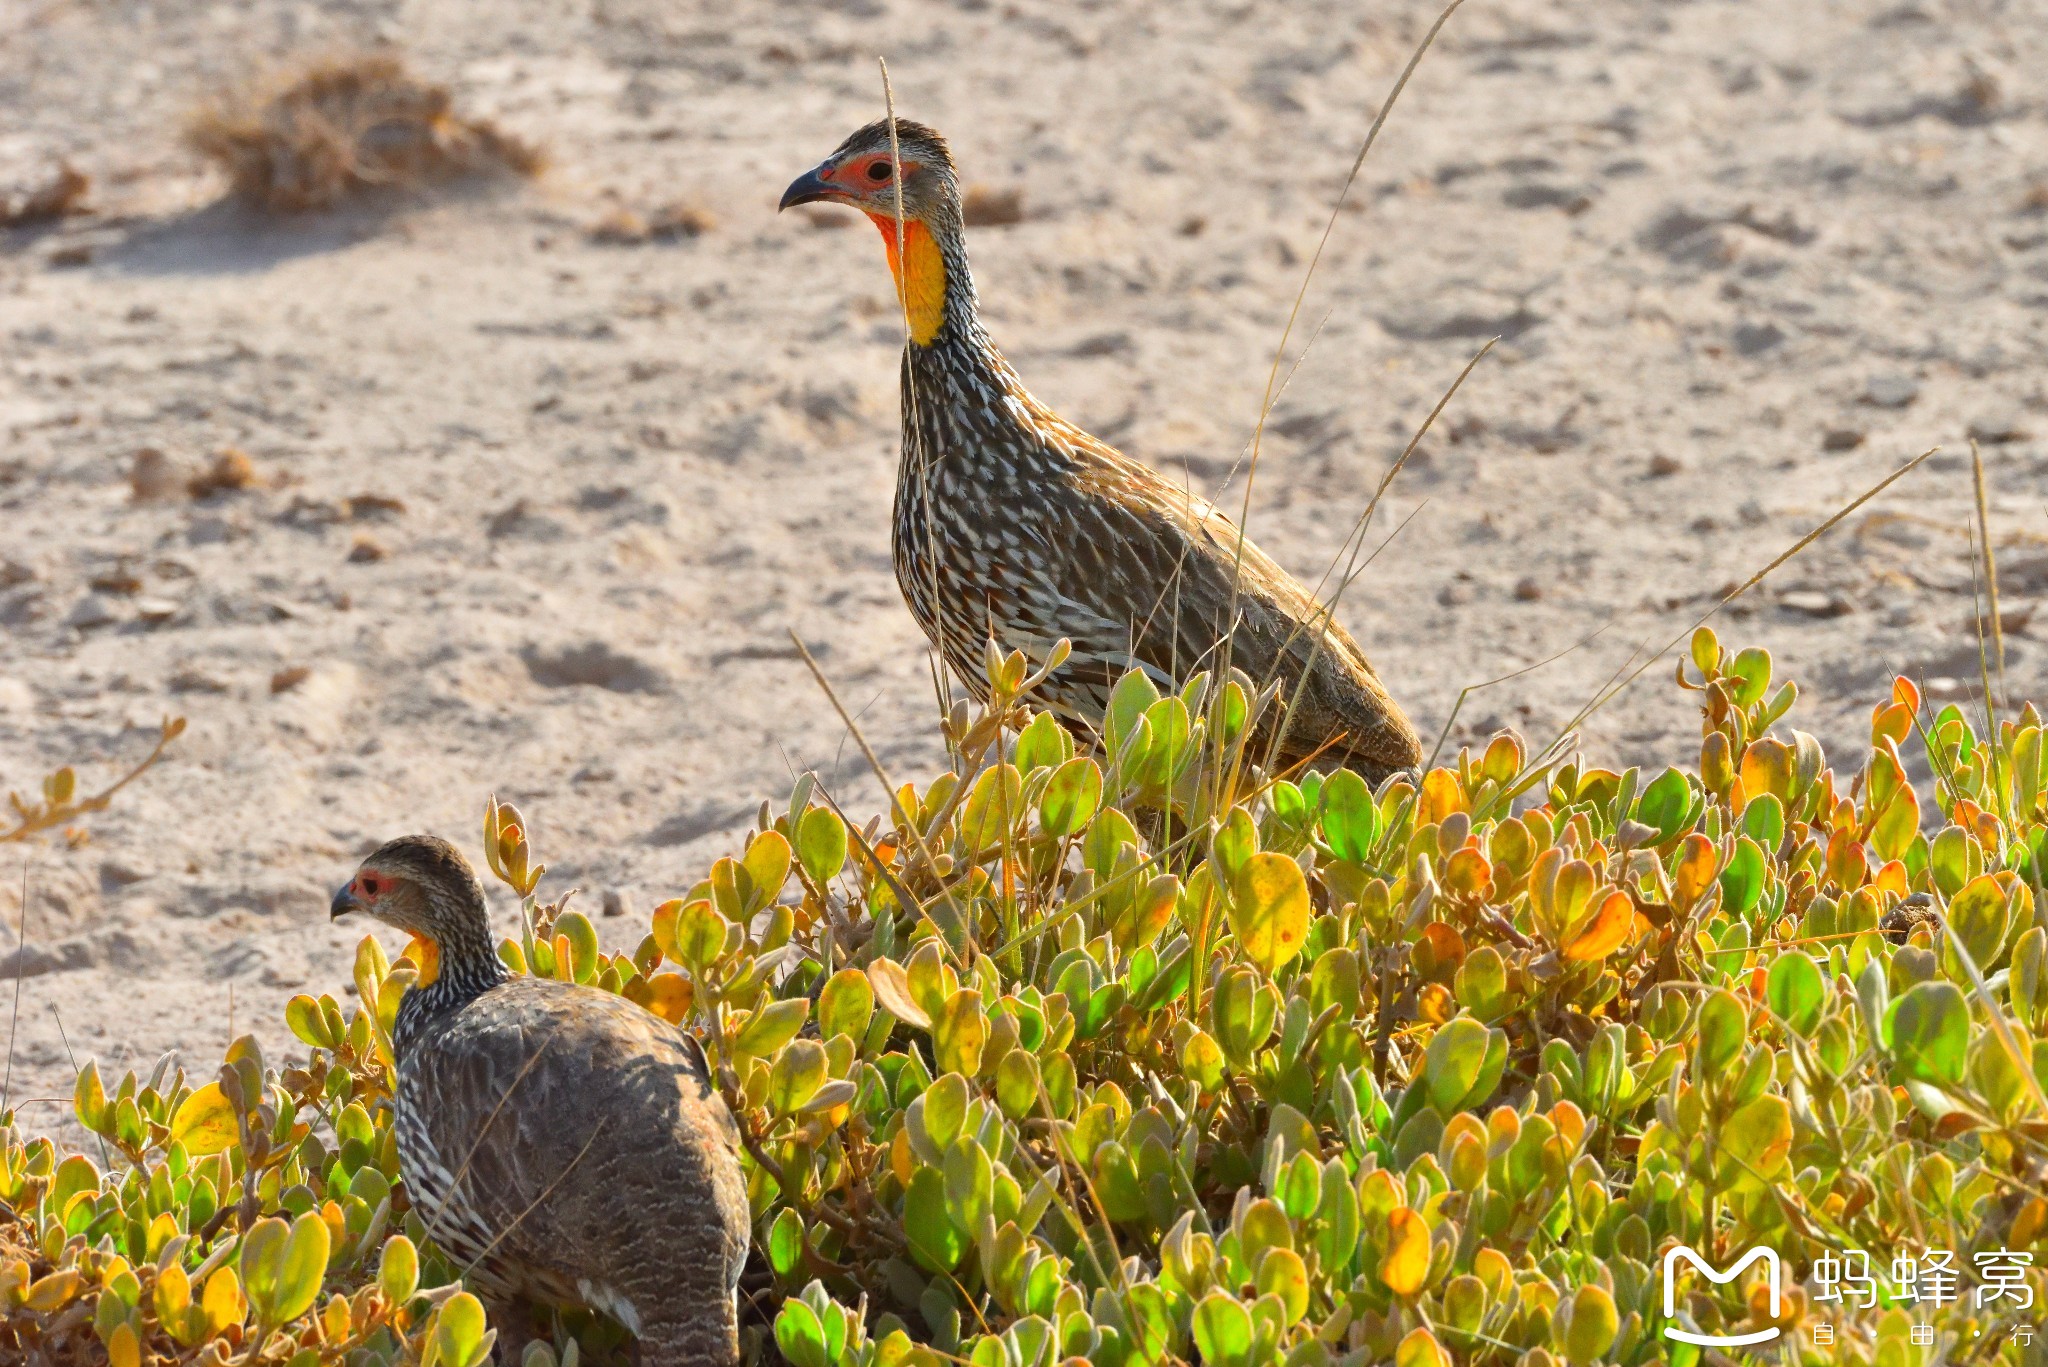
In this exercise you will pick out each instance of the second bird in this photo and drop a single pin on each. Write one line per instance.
(1013, 524)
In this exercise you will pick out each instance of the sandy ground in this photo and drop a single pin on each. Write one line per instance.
(1744, 257)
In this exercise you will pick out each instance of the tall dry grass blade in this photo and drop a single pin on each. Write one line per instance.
(1354, 542)
(1322, 243)
(1990, 563)
(1357, 539)
(906, 819)
(1268, 398)
(64, 1037)
(913, 432)
(1615, 687)
(14, 1020)
(1469, 689)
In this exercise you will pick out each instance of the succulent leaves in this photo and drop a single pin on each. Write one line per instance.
(1143, 1055)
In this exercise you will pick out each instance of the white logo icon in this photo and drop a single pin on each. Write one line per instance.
(1767, 1256)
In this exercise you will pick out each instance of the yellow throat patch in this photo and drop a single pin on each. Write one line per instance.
(920, 272)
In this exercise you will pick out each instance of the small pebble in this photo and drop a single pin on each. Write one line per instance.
(153, 475)
(373, 506)
(1995, 428)
(2011, 621)
(366, 550)
(92, 611)
(1662, 465)
(193, 679)
(680, 220)
(1527, 590)
(1890, 391)
(1816, 603)
(1453, 595)
(155, 610)
(1754, 339)
(619, 228)
(1841, 439)
(289, 678)
(119, 873)
(617, 902)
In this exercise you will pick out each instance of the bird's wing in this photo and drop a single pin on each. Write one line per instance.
(1166, 578)
(553, 1103)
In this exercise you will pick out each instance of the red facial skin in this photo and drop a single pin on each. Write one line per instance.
(865, 178)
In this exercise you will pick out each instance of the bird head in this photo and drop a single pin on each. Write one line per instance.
(422, 885)
(861, 172)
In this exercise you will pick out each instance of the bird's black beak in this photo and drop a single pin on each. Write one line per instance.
(344, 901)
(809, 188)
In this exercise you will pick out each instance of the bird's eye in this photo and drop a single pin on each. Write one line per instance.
(371, 887)
(878, 172)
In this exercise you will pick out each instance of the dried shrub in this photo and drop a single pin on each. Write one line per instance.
(61, 195)
(1143, 1055)
(331, 128)
(231, 472)
(624, 227)
(987, 206)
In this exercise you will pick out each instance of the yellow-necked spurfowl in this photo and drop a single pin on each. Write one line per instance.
(562, 1144)
(1013, 523)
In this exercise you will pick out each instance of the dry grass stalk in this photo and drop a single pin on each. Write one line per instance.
(335, 127)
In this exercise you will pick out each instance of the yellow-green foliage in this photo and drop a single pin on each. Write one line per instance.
(1146, 1056)
(62, 803)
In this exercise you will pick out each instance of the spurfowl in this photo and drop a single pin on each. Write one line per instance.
(562, 1144)
(1013, 523)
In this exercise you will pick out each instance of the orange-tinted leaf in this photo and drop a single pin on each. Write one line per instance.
(1406, 1262)
(1607, 930)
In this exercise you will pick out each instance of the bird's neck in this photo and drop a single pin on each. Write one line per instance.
(933, 283)
(961, 400)
(453, 972)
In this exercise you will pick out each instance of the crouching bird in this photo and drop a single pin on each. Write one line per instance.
(564, 1146)
(1013, 524)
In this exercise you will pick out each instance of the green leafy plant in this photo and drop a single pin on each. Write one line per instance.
(1145, 1055)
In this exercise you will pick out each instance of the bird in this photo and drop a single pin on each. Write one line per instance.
(564, 1146)
(1015, 526)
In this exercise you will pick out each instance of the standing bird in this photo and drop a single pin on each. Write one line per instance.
(1013, 523)
(564, 1146)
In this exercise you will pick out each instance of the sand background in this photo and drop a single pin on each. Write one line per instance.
(604, 482)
